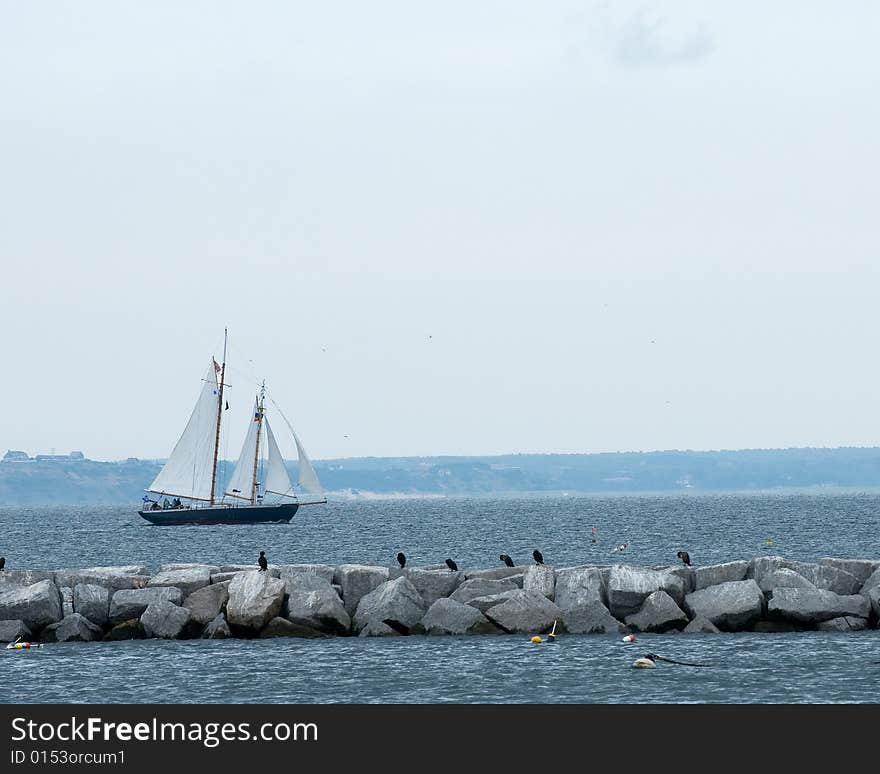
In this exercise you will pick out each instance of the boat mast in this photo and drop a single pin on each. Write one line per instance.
(259, 420)
(219, 416)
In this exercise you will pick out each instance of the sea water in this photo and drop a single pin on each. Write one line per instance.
(805, 667)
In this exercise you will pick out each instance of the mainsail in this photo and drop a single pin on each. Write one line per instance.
(190, 468)
(277, 478)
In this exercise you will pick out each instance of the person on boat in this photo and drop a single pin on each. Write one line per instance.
(175, 503)
(155, 506)
(262, 561)
(166, 504)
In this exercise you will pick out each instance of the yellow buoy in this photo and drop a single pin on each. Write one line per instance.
(536, 638)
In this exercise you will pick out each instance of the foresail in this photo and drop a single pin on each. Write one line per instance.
(308, 479)
(190, 468)
(277, 478)
(241, 484)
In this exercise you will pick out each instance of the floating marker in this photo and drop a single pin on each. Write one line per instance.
(630, 638)
(537, 639)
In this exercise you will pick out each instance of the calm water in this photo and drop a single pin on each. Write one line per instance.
(742, 668)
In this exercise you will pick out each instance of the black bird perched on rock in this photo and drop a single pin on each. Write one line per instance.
(451, 565)
(538, 556)
(685, 557)
(264, 565)
(2, 562)
(401, 558)
(506, 559)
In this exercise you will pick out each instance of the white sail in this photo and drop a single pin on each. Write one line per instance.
(190, 468)
(308, 479)
(277, 478)
(241, 484)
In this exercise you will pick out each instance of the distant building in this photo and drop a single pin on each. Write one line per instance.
(75, 455)
(15, 456)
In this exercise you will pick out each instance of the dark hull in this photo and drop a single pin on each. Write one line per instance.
(244, 514)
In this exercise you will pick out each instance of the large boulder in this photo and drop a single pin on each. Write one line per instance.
(10, 579)
(12, 630)
(731, 606)
(312, 602)
(860, 569)
(132, 629)
(525, 612)
(358, 580)
(131, 603)
(813, 606)
(72, 628)
(187, 579)
(658, 613)
(714, 574)
(822, 576)
(396, 600)
(843, 624)
(783, 578)
(591, 618)
(580, 586)
(700, 625)
(873, 597)
(514, 574)
(281, 627)
(38, 605)
(206, 603)
(325, 571)
(446, 616)
(872, 582)
(217, 629)
(481, 587)
(431, 584)
(166, 621)
(255, 598)
(114, 578)
(485, 603)
(171, 566)
(66, 601)
(93, 602)
(540, 578)
(629, 587)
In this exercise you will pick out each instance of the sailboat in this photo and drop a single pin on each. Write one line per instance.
(258, 492)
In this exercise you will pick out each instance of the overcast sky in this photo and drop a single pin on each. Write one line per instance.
(449, 228)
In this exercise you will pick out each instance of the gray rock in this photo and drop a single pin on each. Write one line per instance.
(540, 578)
(358, 580)
(312, 602)
(813, 606)
(829, 578)
(206, 603)
(714, 574)
(843, 624)
(378, 629)
(783, 578)
(281, 627)
(873, 597)
(165, 621)
(731, 606)
(872, 582)
(579, 586)
(325, 571)
(132, 629)
(131, 603)
(11, 630)
(255, 598)
(525, 612)
(217, 629)
(173, 566)
(861, 569)
(273, 570)
(498, 573)
(488, 602)
(114, 578)
(687, 575)
(431, 584)
(10, 579)
(38, 605)
(72, 628)
(629, 587)
(397, 600)
(66, 600)
(223, 577)
(187, 579)
(481, 587)
(761, 565)
(659, 613)
(591, 618)
(93, 602)
(774, 627)
(700, 625)
(446, 616)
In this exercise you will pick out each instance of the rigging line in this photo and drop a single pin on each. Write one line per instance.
(673, 661)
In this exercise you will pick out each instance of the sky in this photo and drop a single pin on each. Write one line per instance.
(457, 228)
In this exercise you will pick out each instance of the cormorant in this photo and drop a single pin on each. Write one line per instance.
(2, 562)
(685, 557)
(264, 565)
(538, 556)
(506, 559)
(401, 558)
(451, 565)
